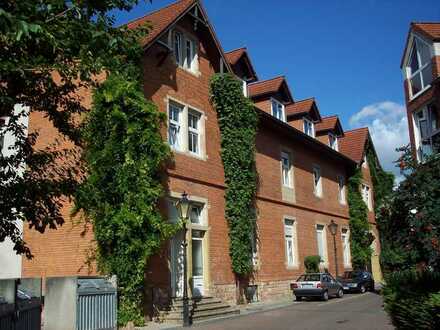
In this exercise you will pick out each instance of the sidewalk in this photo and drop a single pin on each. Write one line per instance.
(244, 310)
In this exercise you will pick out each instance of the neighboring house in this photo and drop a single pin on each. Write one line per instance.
(421, 70)
(356, 144)
(302, 171)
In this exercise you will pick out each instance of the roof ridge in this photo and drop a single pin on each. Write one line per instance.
(236, 49)
(357, 129)
(156, 11)
(331, 116)
(270, 79)
(307, 99)
(415, 22)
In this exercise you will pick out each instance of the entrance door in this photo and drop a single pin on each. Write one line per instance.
(177, 264)
(197, 263)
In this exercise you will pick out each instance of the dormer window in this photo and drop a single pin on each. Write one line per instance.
(185, 51)
(419, 68)
(278, 110)
(309, 127)
(333, 141)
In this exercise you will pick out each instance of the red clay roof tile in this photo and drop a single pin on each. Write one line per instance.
(352, 144)
(234, 55)
(161, 19)
(299, 107)
(265, 86)
(429, 29)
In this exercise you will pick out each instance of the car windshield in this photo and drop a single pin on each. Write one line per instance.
(355, 274)
(309, 277)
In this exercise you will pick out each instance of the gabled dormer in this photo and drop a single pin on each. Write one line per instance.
(271, 96)
(304, 115)
(421, 59)
(242, 67)
(329, 131)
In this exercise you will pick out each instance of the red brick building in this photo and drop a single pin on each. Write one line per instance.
(303, 163)
(421, 70)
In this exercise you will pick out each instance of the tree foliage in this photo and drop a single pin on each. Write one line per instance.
(411, 217)
(125, 156)
(311, 264)
(238, 125)
(49, 50)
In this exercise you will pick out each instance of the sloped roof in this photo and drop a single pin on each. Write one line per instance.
(161, 19)
(234, 55)
(269, 86)
(330, 123)
(300, 107)
(353, 143)
(429, 29)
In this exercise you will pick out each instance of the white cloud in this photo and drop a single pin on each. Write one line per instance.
(388, 127)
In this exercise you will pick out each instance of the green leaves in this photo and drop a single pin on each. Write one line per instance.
(238, 125)
(125, 155)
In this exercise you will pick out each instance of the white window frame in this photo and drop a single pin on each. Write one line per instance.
(341, 190)
(289, 183)
(426, 116)
(290, 235)
(410, 75)
(177, 124)
(3, 131)
(317, 186)
(280, 107)
(320, 227)
(366, 195)
(194, 131)
(182, 51)
(186, 130)
(333, 141)
(346, 246)
(311, 124)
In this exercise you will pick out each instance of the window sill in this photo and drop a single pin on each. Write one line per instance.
(413, 97)
(292, 267)
(192, 72)
(189, 154)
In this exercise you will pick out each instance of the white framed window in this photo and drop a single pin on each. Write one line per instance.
(185, 129)
(341, 189)
(345, 237)
(286, 169)
(309, 127)
(366, 196)
(195, 214)
(317, 181)
(419, 67)
(175, 112)
(185, 51)
(3, 123)
(193, 132)
(333, 141)
(290, 242)
(426, 128)
(278, 110)
(321, 239)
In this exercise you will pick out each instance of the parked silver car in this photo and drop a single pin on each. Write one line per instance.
(321, 285)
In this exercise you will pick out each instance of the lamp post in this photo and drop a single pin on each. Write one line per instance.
(333, 230)
(183, 208)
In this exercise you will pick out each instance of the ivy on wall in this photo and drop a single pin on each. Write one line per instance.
(238, 122)
(124, 155)
(359, 226)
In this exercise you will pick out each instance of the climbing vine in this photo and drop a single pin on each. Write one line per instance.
(124, 155)
(359, 226)
(238, 125)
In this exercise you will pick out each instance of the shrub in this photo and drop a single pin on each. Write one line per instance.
(312, 264)
(412, 299)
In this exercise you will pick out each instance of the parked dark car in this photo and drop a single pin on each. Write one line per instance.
(321, 285)
(357, 281)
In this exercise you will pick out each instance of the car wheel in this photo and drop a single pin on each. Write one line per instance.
(325, 296)
(298, 298)
(340, 293)
(362, 289)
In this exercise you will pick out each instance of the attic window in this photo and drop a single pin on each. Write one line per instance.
(419, 67)
(278, 110)
(333, 141)
(185, 51)
(309, 127)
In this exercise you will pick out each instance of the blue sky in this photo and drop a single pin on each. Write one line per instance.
(345, 53)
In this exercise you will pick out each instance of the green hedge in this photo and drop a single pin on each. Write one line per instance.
(412, 299)
(311, 263)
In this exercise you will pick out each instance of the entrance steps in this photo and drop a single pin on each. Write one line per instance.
(200, 309)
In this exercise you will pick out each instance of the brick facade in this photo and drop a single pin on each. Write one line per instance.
(64, 251)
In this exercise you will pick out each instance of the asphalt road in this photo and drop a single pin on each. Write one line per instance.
(353, 311)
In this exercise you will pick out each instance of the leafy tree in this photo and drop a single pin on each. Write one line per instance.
(125, 156)
(50, 50)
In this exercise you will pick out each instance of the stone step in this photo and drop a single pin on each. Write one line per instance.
(199, 307)
(178, 305)
(177, 317)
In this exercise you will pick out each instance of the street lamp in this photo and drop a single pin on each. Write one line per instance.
(333, 230)
(183, 207)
